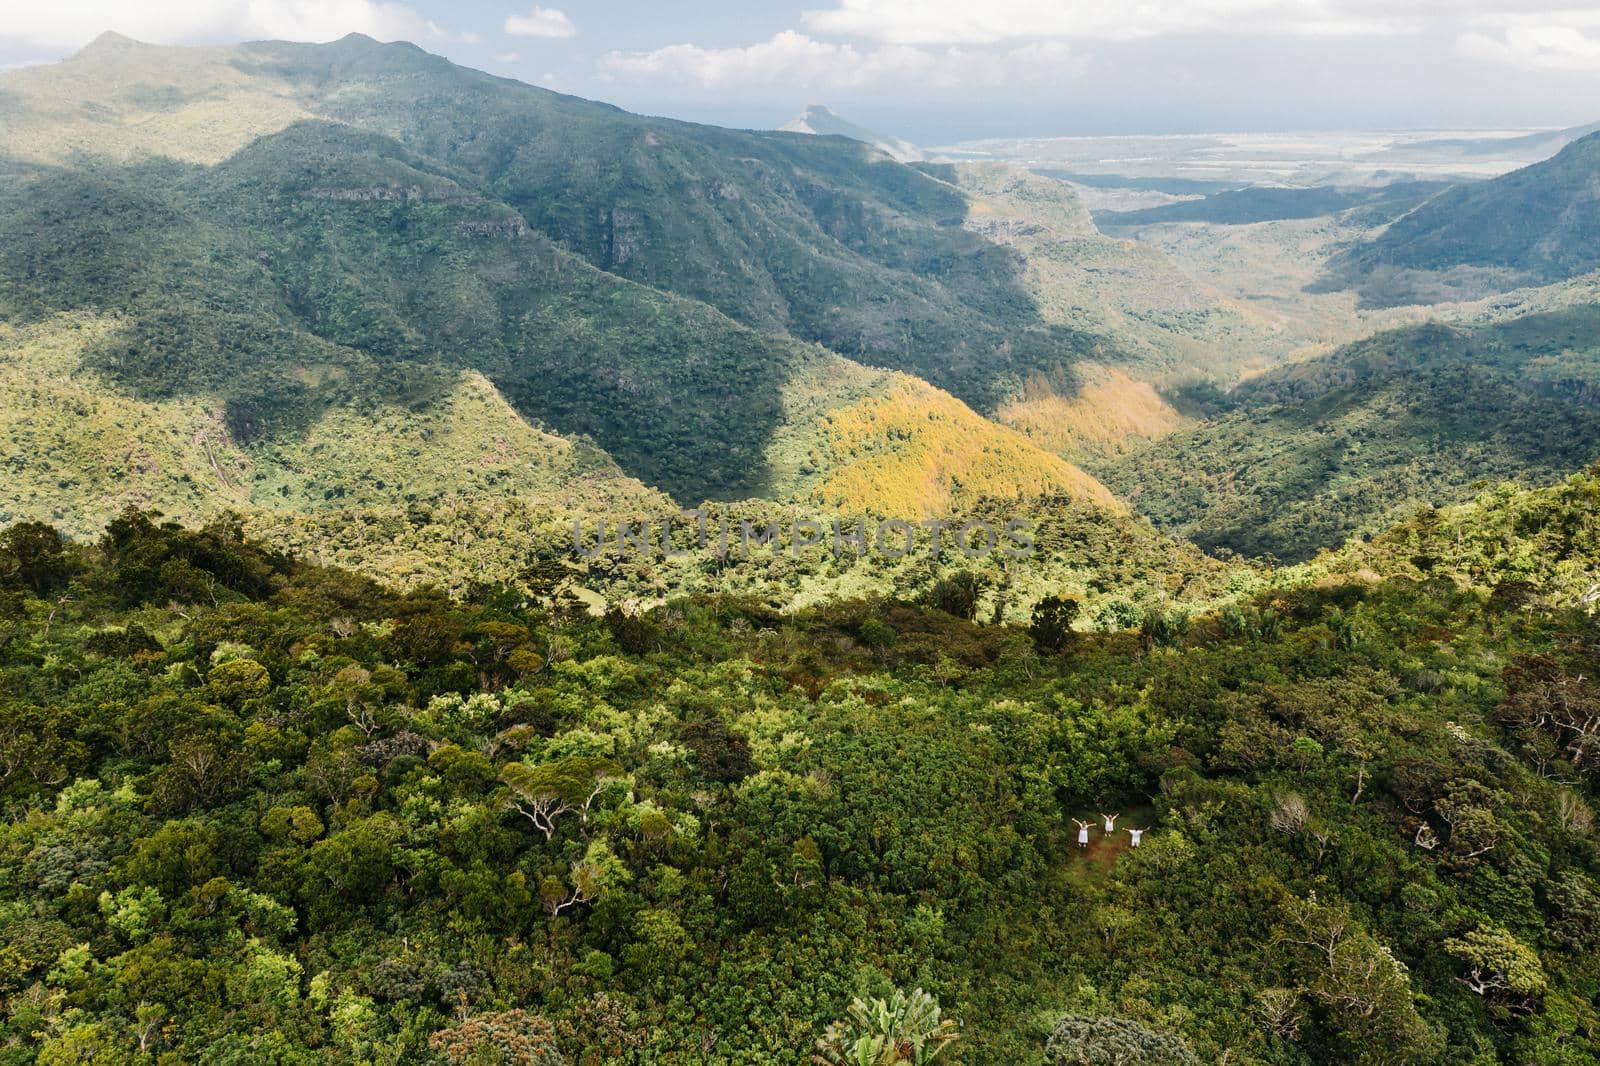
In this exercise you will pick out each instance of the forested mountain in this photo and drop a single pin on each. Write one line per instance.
(264, 811)
(324, 264)
(1264, 203)
(1532, 226)
(287, 241)
(1303, 457)
(821, 238)
(339, 723)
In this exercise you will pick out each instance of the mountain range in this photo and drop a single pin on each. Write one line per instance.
(1533, 226)
(282, 279)
(648, 285)
(367, 695)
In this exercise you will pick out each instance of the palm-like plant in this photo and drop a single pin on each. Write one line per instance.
(904, 1028)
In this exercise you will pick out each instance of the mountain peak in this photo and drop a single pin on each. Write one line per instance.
(818, 111)
(358, 40)
(823, 121)
(110, 41)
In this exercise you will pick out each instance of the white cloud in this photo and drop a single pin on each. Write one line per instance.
(933, 22)
(1569, 44)
(963, 22)
(795, 60)
(71, 23)
(541, 22)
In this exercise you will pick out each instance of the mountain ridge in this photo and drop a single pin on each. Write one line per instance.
(1537, 225)
(822, 121)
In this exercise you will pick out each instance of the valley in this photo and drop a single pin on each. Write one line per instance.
(339, 722)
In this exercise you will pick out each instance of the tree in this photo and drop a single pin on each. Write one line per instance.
(1365, 988)
(1576, 902)
(1557, 716)
(721, 754)
(499, 1038)
(545, 792)
(598, 870)
(1160, 627)
(1468, 808)
(957, 594)
(35, 555)
(1051, 626)
(239, 679)
(1081, 1040)
(1500, 968)
(886, 1032)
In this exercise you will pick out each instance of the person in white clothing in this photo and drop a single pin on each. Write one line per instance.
(1083, 834)
(1111, 821)
(1137, 833)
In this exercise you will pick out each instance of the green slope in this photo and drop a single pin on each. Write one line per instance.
(822, 238)
(1310, 454)
(1536, 225)
(267, 811)
(325, 265)
(77, 451)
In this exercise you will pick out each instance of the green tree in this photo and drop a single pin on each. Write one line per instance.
(903, 1028)
(1082, 1040)
(1500, 968)
(1051, 623)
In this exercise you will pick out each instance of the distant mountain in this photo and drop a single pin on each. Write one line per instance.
(1314, 452)
(1533, 226)
(1526, 146)
(819, 120)
(1242, 207)
(813, 237)
(303, 276)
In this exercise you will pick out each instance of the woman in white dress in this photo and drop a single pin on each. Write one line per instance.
(1137, 834)
(1083, 834)
(1111, 821)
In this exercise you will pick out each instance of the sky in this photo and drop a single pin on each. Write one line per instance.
(940, 71)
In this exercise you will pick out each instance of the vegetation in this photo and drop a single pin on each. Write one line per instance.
(366, 696)
(1316, 452)
(1115, 564)
(79, 450)
(1110, 413)
(910, 451)
(264, 810)
(1529, 227)
(1241, 207)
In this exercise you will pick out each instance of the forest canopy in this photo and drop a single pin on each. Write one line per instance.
(259, 810)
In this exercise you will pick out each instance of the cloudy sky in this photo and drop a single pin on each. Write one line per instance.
(941, 70)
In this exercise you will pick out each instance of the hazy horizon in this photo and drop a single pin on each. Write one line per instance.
(938, 73)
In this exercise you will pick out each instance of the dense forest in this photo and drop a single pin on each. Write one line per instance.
(334, 730)
(264, 811)
(1305, 456)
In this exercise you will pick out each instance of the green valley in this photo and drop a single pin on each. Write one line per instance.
(491, 578)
